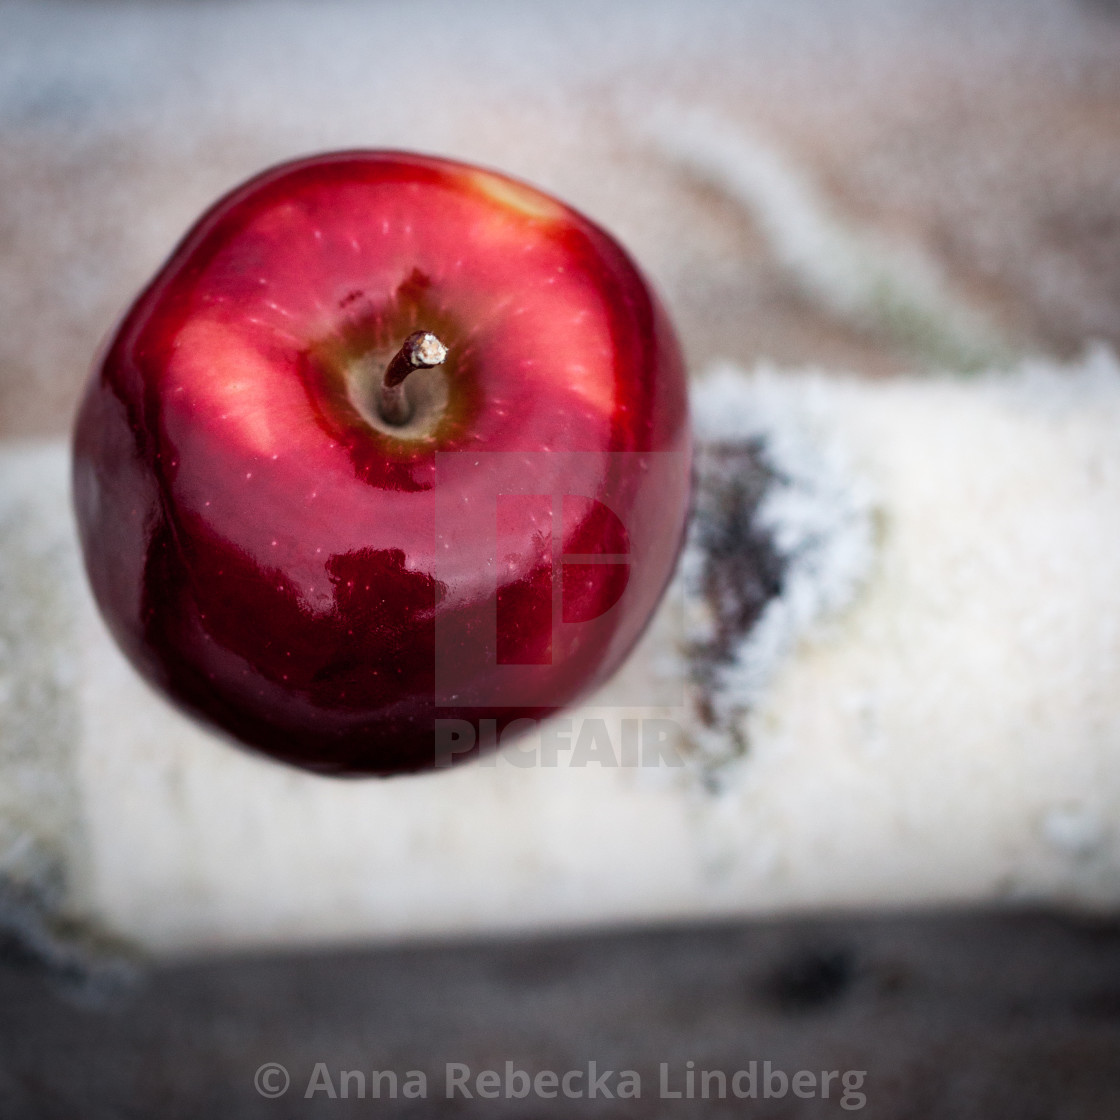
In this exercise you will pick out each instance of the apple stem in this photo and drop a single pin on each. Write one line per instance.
(421, 350)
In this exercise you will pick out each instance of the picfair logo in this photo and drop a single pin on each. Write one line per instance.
(557, 567)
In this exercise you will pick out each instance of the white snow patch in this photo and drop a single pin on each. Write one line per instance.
(818, 514)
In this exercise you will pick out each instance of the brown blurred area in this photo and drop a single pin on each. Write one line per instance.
(949, 1017)
(981, 136)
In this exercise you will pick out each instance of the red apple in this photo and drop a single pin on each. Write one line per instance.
(324, 570)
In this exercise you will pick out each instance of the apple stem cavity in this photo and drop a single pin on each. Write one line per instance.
(421, 350)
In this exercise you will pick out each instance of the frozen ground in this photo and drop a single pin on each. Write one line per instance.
(925, 712)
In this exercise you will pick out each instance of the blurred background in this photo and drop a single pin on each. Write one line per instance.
(861, 187)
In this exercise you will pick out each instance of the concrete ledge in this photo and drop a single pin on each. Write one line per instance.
(939, 725)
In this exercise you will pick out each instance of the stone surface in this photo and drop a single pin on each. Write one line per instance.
(969, 1016)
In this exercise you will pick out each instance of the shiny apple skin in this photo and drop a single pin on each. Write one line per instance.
(264, 555)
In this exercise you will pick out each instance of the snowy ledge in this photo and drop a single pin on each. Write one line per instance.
(900, 672)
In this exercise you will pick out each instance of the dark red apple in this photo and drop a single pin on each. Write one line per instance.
(323, 535)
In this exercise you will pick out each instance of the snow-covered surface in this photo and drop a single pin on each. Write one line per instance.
(927, 712)
(937, 720)
(817, 513)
